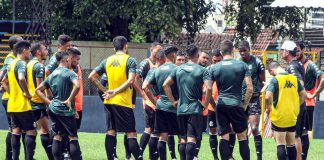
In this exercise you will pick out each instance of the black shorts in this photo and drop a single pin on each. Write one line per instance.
(63, 125)
(119, 118)
(39, 114)
(23, 120)
(310, 113)
(78, 121)
(280, 129)
(166, 122)
(190, 126)
(5, 103)
(149, 117)
(204, 124)
(302, 121)
(230, 115)
(212, 123)
(254, 107)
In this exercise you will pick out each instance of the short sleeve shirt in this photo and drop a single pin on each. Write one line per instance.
(190, 79)
(61, 84)
(312, 73)
(273, 87)
(130, 66)
(297, 70)
(6, 64)
(157, 79)
(52, 64)
(229, 75)
(256, 68)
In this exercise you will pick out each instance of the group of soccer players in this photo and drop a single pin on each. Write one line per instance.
(181, 95)
(33, 94)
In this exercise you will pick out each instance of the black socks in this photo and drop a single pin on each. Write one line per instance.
(134, 148)
(144, 140)
(224, 149)
(305, 146)
(171, 144)
(190, 150)
(258, 146)
(8, 147)
(75, 150)
(109, 145)
(56, 149)
(213, 145)
(162, 150)
(244, 149)
(15, 145)
(281, 152)
(153, 148)
(291, 152)
(47, 145)
(182, 150)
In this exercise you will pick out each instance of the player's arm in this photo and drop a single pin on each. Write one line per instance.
(302, 93)
(137, 82)
(248, 92)
(128, 83)
(261, 73)
(208, 94)
(319, 88)
(40, 93)
(147, 89)
(268, 101)
(22, 80)
(74, 92)
(5, 84)
(167, 89)
(93, 77)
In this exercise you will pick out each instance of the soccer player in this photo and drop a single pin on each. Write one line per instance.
(75, 66)
(104, 82)
(229, 75)
(5, 96)
(283, 98)
(64, 43)
(64, 85)
(288, 53)
(189, 78)
(22, 117)
(35, 76)
(212, 123)
(313, 76)
(180, 59)
(149, 108)
(120, 69)
(256, 68)
(203, 60)
(166, 116)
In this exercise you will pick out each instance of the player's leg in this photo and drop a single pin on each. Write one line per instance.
(194, 134)
(238, 119)
(305, 136)
(56, 127)
(254, 112)
(280, 138)
(171, 145)
(42, 124)
(290, 139)
(27, 121)
(198, 141)
(111, 133)
(299, 130)
(70, 126)
(145, 138)
(154, 138)
(16, 134)
(224, 130)
(182, 122)
(9, 134)
(212, 124)
(128, 154)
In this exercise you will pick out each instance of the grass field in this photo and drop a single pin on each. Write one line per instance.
(92, 147)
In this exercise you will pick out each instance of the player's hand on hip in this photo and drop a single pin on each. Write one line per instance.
(27, 95)
(109, 94)
(68, 104)
(310, 96)
(76, 115)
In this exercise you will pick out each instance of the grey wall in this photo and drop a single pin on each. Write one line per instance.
(94, 119)
(319, 120)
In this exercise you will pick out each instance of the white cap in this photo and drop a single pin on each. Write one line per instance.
(289, 45)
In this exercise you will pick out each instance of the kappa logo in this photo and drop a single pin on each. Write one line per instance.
(289, 84)
(115, 63)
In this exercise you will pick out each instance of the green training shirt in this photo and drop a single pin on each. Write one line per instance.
(229, 75)
(190, 79)
(157, 79)
(60, 83)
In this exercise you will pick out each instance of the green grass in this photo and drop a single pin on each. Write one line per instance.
(92, 147)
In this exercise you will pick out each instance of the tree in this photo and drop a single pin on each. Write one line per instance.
(252, 15)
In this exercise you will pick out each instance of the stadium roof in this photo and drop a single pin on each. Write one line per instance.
(298, 3)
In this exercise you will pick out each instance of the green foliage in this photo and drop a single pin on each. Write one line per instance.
(145, 20)
(252, 15)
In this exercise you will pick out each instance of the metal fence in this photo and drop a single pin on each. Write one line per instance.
(91, 56)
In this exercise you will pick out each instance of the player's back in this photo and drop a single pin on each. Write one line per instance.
(229, 75)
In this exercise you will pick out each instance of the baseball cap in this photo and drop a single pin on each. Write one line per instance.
(288, 45)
